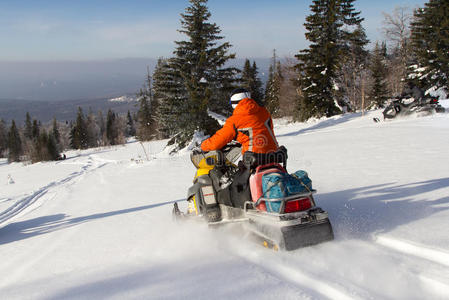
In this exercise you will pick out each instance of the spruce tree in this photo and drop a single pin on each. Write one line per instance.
(168, 94)
(430, 40)
(130, 129)
(14, 143)
(378, 94)
(102, 127)
(3, 138)
(112, 132)
(55, 132)
(35, 129)
(40, 151)
(93, 130)
(205, 81)
(251, 81)
(146, 115)
(319, 64)
(52, 147)
(28, 131)
(78, 134)
(273, 86)
(44, 148)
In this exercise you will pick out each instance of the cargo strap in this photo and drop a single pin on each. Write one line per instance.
(269, 189)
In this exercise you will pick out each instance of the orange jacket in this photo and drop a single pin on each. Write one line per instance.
(250, 125)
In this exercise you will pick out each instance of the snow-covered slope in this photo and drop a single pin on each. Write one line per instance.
(98, 225)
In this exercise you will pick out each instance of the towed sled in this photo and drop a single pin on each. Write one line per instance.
(272, 207)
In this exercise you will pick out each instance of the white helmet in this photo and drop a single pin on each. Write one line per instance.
(237, 95)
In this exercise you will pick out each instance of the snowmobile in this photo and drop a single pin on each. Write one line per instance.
(225, 192)
(400, 107)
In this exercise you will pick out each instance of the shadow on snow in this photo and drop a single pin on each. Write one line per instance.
(354, 213)
(360, 212)
(25, 229)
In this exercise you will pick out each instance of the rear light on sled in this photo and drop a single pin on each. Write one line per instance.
(298, 205)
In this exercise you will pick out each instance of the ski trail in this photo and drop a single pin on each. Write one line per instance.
(47, 192)
(427, 253)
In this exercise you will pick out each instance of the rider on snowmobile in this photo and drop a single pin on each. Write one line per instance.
(250, 125)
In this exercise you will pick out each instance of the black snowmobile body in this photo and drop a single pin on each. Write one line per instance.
(399, 107)
(218, 200)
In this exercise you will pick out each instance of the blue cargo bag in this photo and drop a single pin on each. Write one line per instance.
(278, 185)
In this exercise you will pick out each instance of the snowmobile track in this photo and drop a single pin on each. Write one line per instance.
(308, 282)
(420, 251)
(46, 193)
(435, 276)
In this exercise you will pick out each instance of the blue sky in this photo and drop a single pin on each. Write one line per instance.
(49, 30)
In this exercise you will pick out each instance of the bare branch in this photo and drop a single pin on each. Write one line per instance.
(396, 26)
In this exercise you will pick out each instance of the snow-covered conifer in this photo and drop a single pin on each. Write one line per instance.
(14, 143)
(430, 40)
(328, 30)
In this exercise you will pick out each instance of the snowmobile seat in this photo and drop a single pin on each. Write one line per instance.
(252, 160)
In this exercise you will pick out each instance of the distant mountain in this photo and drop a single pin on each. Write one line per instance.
(62, 110)
(68, 80)
(48, 89)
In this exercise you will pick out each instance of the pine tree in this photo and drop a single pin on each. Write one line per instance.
(199, 63)
(102, 127)
(168, 97)
(319, 64)
(146, 115)
(35, 130)
(257, 90)
(251, 81)
(112, 132)
(78, 134)
(93, 130)
(55, 132)
(130, 129)
(40, 151)
(44, 148)
(378, 94)
(430, 40)
(273, 86)
(14, 143)
(28, 132)
(52, 147)
(3, 138)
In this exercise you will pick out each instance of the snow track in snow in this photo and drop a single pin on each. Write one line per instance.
(421, 251)
(434, 276)
(305, 281)
(109, 235)
(47, 192)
